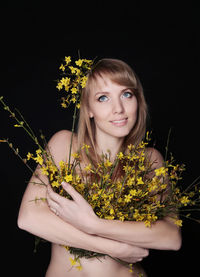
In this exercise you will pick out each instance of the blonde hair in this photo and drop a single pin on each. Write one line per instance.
(118, 72)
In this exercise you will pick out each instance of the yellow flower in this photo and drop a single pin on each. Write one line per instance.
(128, 198)
(107, 163)
(65, 81)
(59, 86)
(67, 60)
(162, 187)
(29, 156)
(131, 268)
(79, 62)
(184, 200)
(109, 217)
(73, 99)
(39, 158)
(127, 168)
(122, 218)
(147, 223)
(74, 90)
(75, 155)
(120, 200)
(95, 197)
(77, 74)
(85, 146)
(88, 167)
(64, 105)
(38, 151)
(44, 170)
(73, 69)
(62, 165)
(62, 67)
(52, 167)
(161, 171)
(81, 186)
(67, 88)
(112, 211)
(178, 222)
(120, 155)
(142, 167)
(131, 147)
(55, 184)
(106, 177)
(21, 123)
(133, 192)
(68, 178)
(139, 181)
(177, 191)
(72, 261)
(83, 81)
(79, 267)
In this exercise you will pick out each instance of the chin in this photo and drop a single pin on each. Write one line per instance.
(121, 133)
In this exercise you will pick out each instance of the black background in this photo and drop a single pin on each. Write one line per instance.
(158, 40)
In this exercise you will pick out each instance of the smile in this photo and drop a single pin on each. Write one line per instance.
(120, 123)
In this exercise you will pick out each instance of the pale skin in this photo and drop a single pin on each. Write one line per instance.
(75, 223)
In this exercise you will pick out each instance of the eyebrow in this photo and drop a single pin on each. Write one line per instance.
(102, 92)
(107, 92)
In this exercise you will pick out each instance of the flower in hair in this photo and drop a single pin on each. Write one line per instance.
(74, 79)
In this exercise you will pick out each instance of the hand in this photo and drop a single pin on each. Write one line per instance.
(131, 253)
(77, 212)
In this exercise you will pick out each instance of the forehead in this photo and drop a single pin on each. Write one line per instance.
(104, 83)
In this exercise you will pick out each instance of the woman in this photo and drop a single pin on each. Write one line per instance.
(112, 115)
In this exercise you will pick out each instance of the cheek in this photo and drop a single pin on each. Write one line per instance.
(133, 109)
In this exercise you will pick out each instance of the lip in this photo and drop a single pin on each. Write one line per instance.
(120, 122)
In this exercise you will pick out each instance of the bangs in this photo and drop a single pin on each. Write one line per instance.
(115, 70)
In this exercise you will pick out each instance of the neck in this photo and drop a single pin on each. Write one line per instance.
(109, 143)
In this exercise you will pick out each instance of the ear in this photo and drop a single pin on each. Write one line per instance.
(90, 114)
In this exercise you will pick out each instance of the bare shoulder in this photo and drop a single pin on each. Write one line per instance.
(59, 137)
(155, 157)
(59, 145)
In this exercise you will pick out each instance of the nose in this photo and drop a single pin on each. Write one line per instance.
(117, 106)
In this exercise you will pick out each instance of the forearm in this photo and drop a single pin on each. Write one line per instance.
(163, 234)
(36, 217)
(40, 221)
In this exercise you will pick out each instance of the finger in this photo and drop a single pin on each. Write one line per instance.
(56, 212)
(145, 253)
(140, 252)
(54, 207)
(71, 191)
(52, 204)
(53, 195)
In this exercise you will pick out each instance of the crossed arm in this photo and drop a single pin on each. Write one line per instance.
(78, 226)
(38, 219)
(163, 234)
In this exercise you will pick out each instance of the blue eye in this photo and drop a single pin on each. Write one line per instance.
(102, 98)
(127, 94)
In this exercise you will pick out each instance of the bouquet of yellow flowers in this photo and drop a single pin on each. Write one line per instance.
(128, 188)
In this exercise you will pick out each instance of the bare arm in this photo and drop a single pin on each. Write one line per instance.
(163, 234)
(38, 219)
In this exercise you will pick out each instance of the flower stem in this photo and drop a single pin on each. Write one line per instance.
(73, 125)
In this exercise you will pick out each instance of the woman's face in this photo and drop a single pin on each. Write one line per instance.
(113, 107)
